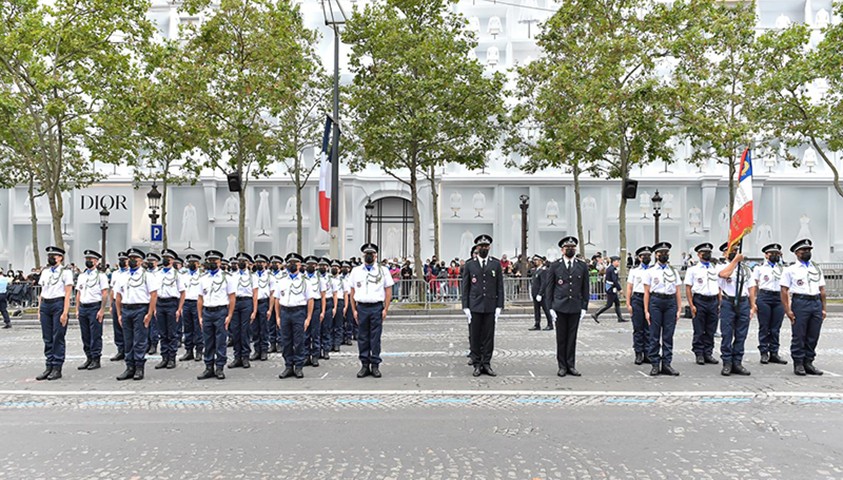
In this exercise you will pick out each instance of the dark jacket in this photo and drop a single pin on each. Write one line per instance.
(537, 283)
(567, 291)
(482, 289)
(613, 279)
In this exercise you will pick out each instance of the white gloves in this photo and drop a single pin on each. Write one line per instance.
(467, 314)
(553, 315)
(583, 313)
(538, 298)
(497, 313)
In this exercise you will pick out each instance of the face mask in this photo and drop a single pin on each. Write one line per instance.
(232, 268)
(805, 256)
(334, 271)
(133, 263)
(213, 266)
(646, 259)
(311, 269)
(706, 256)
(663, 258)
(89, 264)
(323, 270)
(166, 262)
(570, 252)
(483, 252)
(293, 268)
(258, 268)
(51, 261)
(192, 266)
(344, 271)
(122, 263)
(275, 269)
(369, 258)
(774, 258)
(242, 265)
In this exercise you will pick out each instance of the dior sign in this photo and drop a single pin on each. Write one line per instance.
(89, 201)
(98, 202)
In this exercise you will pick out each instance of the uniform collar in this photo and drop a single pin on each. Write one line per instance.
(771, 264)
(89, 270)
(663, 266)
(294, 275)
(132, 272)
(705, 264)
(213, 272)
(805, 264)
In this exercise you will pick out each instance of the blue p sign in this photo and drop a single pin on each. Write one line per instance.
(157, 233)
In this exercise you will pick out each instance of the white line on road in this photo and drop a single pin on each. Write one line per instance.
(642, 373)
(831, 373)
(323, 376)
(429, 374)
(531, 373)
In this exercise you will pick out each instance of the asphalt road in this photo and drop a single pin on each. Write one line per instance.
(428, 417)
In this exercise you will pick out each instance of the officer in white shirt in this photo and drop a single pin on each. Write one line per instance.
(371, 294)
(349, 325)
(277, 272)
(151, 266)
(56, 286)
(193, 340)
(116, 277)
(216, 307)
(294, 304)
(806, 309)
(635, 305)
(168, 312)
(136, 299)
(245, 311)
(326, 344)
(260, 327)
(768, 301)
(703, 293)
(737, 301)
(313, 333)
(91, 299)
(339, 306)
(662, 307)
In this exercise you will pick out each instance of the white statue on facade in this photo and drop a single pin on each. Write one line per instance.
(804, 228)
(551, 211)
(231, 246)
(644, 204)
(456, 204)
(695, 219)
(474, 26)
(764, 235)
(466, 242)
(493, 56)
(725, 217)
(231, 207)
(189, 225)
(263, 222)
(479, 202)
(822, 19)
(392, 248)
(292, 242)
(290, 208)
(495, 26)
(810, 159)
(782, 22)
(667, 206)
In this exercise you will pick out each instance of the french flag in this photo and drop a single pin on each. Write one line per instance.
(741, 223)
(325, 178)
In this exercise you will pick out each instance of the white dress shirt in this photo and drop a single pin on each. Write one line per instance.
(216, 287)
(703, 279)
(245, 282)
(804, 279)
(170, 281)
(90, 285)
(662, 279)
(262, 279)
(138, 286)
(730, 285)
(636, 278)
(767, 276)
(191, 281)
(370, 283)
(53, 280)
(292, 291)
(314, 284)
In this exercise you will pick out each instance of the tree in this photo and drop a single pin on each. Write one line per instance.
(416, 102)
(248, 59)
(611, 107)
(792, 113)
(61, 62)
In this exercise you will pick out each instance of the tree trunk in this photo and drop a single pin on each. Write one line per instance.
(299, 188)
(33, 218)
(578, 207)
(414, 200)
(434, 194)
(163, 209)
(732, 170)
(830, 164)
(624, 173)
(57, 212)
(241, 221)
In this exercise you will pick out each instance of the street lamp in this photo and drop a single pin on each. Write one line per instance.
(525, 204)
(154, 197)
(657, 207)
(370, 208)
(104, 213)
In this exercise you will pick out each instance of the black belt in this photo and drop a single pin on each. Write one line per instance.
(52, 300)
(134, 305)
(293, 309)
(168, 299)
(90, 304)
(638, 294)
(372, 304)
(215, 309)
(771, 292)
(187, 300)
(663, 295)
(699, 296)
(732, 299)
(802, 296)
(245, 298)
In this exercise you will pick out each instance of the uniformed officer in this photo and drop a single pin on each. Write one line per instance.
(768, 301)
(350, 328)
(327, 329)
(260, 327)
(807, 309)
(313, 333)
(734, 313)
(635, 305)
(537, 286)
(338, 287)
(482, 302)
(137, 297)
(91, 299)
(613, 289)
(568, 293)
(53, 308)
(662, 307)
(245, 311)
(371, 294)
(116, 277)
(189, 313)
(703, 292)
(154, 335)
(168, 312)
(294, 304)
(277, 272)
(216, 308)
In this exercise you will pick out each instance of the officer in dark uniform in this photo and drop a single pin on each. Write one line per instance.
(116, 278)
(193, 339)
(806, 309)
(537, 286)
(567, 291)
(482, 302)
(613, 288)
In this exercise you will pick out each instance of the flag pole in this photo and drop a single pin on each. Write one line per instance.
(739, 281)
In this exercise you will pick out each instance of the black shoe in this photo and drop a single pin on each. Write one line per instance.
(208, 373)
(85, 365)
(138, 373)
(246, 363)
(775, 358)
(229, 342)
(308, 361)
(349, 343)
(188, 355)
(236, 363)
(255, 356)
(95, 364)
(561, 372)
(573, 371)
(477, 371)
(161, 364)
(739, 369)
(594, 317)
(335, 349)
(7, 325)
(655, 370)
(287, 373)
(646, 359)
(127, 374)
(220, 373)
(487, 369)
(639, 358)
(799, 369)
(197, 357)
(298, 372)
(711, 360)
(152, 350)
(727, 369)
(810, 369)
(376, 371)
(364, 371)
(264, 356)
(765, 358)
(119, 356)
(171, 364)
(315, 362)
(354, 337)
(668, 370)
(622, 320)
(271, 348)
(534, 328)
(55, 374)
(325, 355)
(700, 360)
(46, 373)
(549, 327)
(470, 362)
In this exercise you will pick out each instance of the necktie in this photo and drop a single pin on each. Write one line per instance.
(569, 264)
(483, 264)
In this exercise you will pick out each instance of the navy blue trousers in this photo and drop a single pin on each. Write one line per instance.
(52, 331)
(370, 323)
(292, 335)
(734, 327)
(240, 327)
(640, 330)
(313, 334)
(118, 330)
(91, 330)
(215, 336)
(192, 330)
(806, 329)
(662, 326)
(260, 327)
(705, 324)
(135, 335)
(339, 324)
(770, 317)
(327, 329)
(166, 317)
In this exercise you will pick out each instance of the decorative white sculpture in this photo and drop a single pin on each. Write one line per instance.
(466, 242)
(804, 228)
(644, 204)
(589, 212)
(764, 235)
(695, 219)
(495, 26)
(292, 242)
(782, 22)
(290, 208)
(810, 159)
(474, 26)
(823, 19)
(493, 56)
(667, 205)
(189, 226)
(472, 55)
(231, 207)
(479, 202)
(263, 222)
(231, 246)
(392, 246)
(456, 204)
(552, 211)
(725, 217)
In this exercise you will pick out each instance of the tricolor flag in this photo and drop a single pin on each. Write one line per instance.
(325, 177)
(741, 223)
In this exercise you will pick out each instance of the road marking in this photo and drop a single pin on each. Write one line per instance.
(725, 400)
(358, 400)
(531, 373)
(323, 376)
(821, 400)
(447, 400)
(642, 373)
(630, 400)
(429, 374)
(273, 401)
(831, 373)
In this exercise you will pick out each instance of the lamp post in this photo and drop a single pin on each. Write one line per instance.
(525, 204)
(370, 208)
(104, 213)
(657, 207)
(154, 197)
